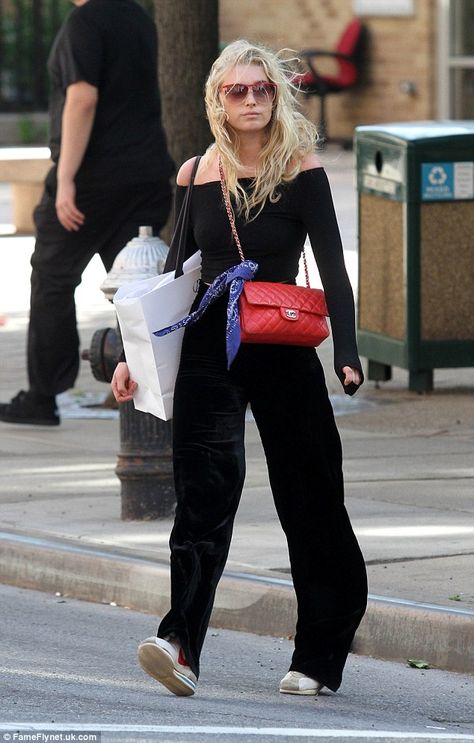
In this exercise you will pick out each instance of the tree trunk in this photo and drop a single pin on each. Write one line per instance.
(188, 39)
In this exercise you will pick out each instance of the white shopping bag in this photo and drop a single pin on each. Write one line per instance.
(143, 307)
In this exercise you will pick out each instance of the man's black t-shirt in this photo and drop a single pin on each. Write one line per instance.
(112, 44)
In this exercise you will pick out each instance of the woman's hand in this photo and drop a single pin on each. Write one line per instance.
(351, 376)
(122, 386)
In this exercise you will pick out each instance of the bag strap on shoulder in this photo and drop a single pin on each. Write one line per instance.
(177, 252)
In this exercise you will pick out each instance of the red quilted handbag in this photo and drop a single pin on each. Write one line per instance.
(271, 312)
(282, 313)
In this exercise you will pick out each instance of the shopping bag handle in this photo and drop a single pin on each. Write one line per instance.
(177, 252)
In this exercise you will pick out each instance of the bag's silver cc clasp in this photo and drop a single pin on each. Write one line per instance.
(291, 314)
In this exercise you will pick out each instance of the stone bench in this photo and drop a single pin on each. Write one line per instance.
(25, 168)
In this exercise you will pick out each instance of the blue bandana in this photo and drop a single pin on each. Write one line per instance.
(233, 278)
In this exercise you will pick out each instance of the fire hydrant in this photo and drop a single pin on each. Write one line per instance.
(144, 465)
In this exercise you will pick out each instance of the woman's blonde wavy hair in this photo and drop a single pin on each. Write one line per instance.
(290, 135)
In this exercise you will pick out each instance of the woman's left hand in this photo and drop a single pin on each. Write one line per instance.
(351, 376)
(122, 386)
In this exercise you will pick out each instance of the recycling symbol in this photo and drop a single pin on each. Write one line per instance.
(437, 176)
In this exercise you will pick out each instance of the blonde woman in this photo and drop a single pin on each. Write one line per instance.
(280, 194)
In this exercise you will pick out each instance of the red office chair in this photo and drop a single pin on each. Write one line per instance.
(347, 55)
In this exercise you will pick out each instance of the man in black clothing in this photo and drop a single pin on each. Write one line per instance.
(111, 174)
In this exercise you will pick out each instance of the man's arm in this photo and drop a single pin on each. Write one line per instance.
(78, 119)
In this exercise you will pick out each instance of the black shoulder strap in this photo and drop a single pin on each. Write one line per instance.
(177, 252)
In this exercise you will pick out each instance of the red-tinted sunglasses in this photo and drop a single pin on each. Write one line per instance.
(263, 91)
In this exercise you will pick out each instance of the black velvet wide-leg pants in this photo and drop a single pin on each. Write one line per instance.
(286, 389)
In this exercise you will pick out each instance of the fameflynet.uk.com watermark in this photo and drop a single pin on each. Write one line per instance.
(52, 737)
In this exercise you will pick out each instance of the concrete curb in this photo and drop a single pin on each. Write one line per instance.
(392, 628)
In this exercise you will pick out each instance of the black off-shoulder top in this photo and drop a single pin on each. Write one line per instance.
(275, 240)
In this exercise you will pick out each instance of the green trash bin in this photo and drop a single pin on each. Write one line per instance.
(415, 184)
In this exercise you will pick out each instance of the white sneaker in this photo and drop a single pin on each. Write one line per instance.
(297, 683)
(162, 659)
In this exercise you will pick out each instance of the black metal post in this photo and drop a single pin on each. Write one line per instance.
(144, 465)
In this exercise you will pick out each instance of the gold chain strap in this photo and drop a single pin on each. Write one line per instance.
(225, 193)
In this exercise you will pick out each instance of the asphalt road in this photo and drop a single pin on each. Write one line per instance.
(69, 667)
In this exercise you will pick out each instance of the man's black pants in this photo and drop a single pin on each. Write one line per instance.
(286, 389)
(112, 217)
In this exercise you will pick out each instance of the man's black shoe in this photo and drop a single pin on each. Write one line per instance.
(24, 409)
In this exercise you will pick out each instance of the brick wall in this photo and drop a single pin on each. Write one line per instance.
(399, 48)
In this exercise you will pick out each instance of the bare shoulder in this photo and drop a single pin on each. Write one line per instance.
(184, 173)
(311, 161)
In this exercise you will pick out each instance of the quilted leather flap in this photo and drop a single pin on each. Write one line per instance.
(267, 294)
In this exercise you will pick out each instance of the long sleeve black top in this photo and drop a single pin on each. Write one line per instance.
(275, 240)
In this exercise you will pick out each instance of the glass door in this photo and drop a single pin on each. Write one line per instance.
(456, 59)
